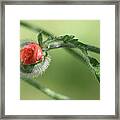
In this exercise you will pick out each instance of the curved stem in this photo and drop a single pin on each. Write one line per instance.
(37, 29)
(84, 59)
(52, 45)
(66, 43)
(45, 90)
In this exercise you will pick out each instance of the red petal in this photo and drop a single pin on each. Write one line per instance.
(31, 53)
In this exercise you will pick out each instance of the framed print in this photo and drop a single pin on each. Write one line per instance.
(59, 59)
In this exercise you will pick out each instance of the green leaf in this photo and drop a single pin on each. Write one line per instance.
(40, 39)
(93, 61)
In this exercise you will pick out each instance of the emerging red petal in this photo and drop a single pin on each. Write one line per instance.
(31, 54)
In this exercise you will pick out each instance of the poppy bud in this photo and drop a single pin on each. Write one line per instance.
(31, 54)
(33, 60)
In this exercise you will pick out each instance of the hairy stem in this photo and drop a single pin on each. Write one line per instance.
(59, 44)
(66, 44)
(84, 59)
(45, 90)
(37, 29)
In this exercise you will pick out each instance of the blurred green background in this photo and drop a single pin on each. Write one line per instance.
(66, 74)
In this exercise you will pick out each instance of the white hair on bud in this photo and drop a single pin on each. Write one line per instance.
(38, 69)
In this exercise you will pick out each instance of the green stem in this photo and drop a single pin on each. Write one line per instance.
(45, 90)
(61, 43)
(84, 59)
(83, 47)
(37, 29)
(90, 48)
